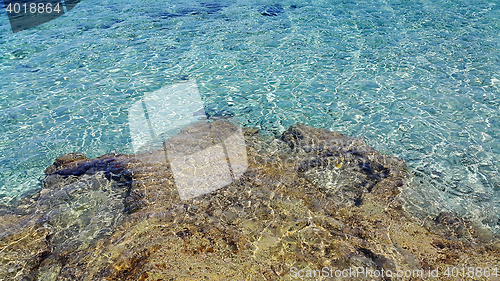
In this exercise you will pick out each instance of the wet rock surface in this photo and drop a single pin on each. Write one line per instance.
(309, 199)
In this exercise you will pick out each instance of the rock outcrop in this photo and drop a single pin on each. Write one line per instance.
(309, 199)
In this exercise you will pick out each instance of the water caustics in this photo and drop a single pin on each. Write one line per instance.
(204, 154)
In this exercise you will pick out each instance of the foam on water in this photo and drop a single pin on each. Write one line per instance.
(420, 80)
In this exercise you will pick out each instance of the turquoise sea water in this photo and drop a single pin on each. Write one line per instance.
(418, 79)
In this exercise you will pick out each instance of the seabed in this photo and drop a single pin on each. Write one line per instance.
(308, 199)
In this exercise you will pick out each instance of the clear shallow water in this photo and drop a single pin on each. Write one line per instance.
(419, 80)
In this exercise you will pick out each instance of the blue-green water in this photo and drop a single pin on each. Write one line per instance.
(417, 79)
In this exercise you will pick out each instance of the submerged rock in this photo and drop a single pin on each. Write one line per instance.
(65, 162)
(309, 199)
(81, 201)
(345, 167)
(271, 10)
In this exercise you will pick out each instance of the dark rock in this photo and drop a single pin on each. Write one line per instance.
(212, 7)
(272, 10)
(65, 161)
(340, 164)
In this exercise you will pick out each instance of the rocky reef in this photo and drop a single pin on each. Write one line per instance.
(309, 201)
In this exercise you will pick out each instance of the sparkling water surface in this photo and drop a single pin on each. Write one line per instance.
(418, 79)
